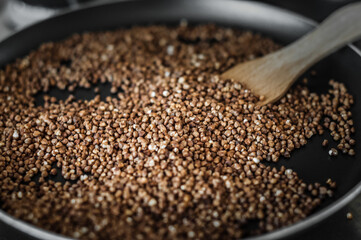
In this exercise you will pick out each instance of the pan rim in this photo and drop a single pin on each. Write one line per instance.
(284, 232)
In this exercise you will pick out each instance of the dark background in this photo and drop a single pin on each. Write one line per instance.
(336, 227)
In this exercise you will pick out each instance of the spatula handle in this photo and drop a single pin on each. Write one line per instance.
(340, 28)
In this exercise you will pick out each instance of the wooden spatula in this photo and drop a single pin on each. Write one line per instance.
(272, 75)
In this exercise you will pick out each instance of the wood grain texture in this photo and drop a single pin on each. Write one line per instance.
(272, 75)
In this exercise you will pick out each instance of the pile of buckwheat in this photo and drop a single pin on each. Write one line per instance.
(176, 153)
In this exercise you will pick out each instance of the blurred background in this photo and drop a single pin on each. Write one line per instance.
(16, 14)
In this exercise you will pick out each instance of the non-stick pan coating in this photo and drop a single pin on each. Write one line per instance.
(311, 162)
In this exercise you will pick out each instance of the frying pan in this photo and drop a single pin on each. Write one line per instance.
(311, 162)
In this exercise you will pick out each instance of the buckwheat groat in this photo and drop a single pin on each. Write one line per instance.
(177, 153)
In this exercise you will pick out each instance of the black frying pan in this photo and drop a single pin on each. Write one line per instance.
(311, 162)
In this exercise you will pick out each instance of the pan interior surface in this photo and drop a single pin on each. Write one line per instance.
(312, 162)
